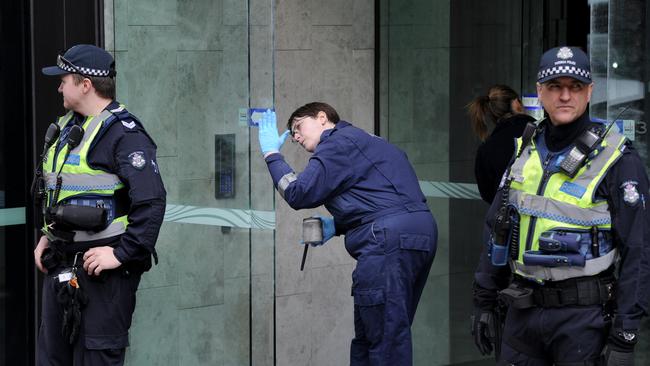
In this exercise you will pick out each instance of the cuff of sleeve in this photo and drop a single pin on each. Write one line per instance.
(622, 321)
(120, 254)
(273, 157)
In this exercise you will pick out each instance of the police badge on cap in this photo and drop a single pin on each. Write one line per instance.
(564, 61)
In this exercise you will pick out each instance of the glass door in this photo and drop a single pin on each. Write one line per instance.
(619, 42)
(191, 70)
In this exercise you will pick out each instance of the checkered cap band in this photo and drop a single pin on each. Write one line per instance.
(564, 70)
(80, 69)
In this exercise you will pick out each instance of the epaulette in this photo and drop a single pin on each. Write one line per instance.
(128, 121)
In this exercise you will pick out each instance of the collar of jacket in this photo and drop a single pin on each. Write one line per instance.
(337, 126)
(559, 137)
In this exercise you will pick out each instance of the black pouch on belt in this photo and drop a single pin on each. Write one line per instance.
(79, 217)
(517, 296)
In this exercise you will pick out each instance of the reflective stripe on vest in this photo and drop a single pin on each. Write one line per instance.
(540, 206)
(115, 228)
(564, 204)
(79, 179)
(83, 182)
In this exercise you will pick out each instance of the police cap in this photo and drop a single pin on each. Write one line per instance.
(564, 61)
(83, 59)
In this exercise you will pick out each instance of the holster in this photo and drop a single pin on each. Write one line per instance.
(52, 257)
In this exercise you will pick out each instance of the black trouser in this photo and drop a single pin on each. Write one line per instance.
(564, 336)
(105, 320)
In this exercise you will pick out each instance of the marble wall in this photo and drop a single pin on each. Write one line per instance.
(414, 105)
(183, 70)
(324, 52)
(234, 296)
(435, 57)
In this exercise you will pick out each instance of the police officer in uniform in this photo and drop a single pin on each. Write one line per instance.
(370, 188)
(567, 235)
(103, 201)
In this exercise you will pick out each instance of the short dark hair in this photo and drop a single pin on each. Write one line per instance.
(311, 110)
(104, 85)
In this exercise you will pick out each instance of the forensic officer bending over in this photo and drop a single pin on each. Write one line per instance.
(371, 190)
(569, 230)
(103, 201)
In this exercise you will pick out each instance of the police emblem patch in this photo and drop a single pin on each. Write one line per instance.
(564, 53)
(630, 193)
(137, 159)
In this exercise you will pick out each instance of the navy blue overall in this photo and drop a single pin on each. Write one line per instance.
(372, 191)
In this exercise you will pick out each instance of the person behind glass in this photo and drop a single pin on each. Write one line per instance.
(371, 189)
(103, 202)
(502, 108)
(578, 231)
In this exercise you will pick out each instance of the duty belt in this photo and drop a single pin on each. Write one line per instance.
(588, 291)
(582, 291)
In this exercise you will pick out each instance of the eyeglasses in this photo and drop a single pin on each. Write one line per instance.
(296, 126)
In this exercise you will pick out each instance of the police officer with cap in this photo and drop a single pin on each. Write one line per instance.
(102, 198)
(567, 236)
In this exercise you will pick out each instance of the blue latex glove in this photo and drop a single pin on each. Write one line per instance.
(328, 227)
(327, 224)
(270, 141)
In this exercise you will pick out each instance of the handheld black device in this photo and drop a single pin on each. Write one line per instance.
(505, 233)
(586, 143)
(50, 136)
(38, 183)
(75, 135)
